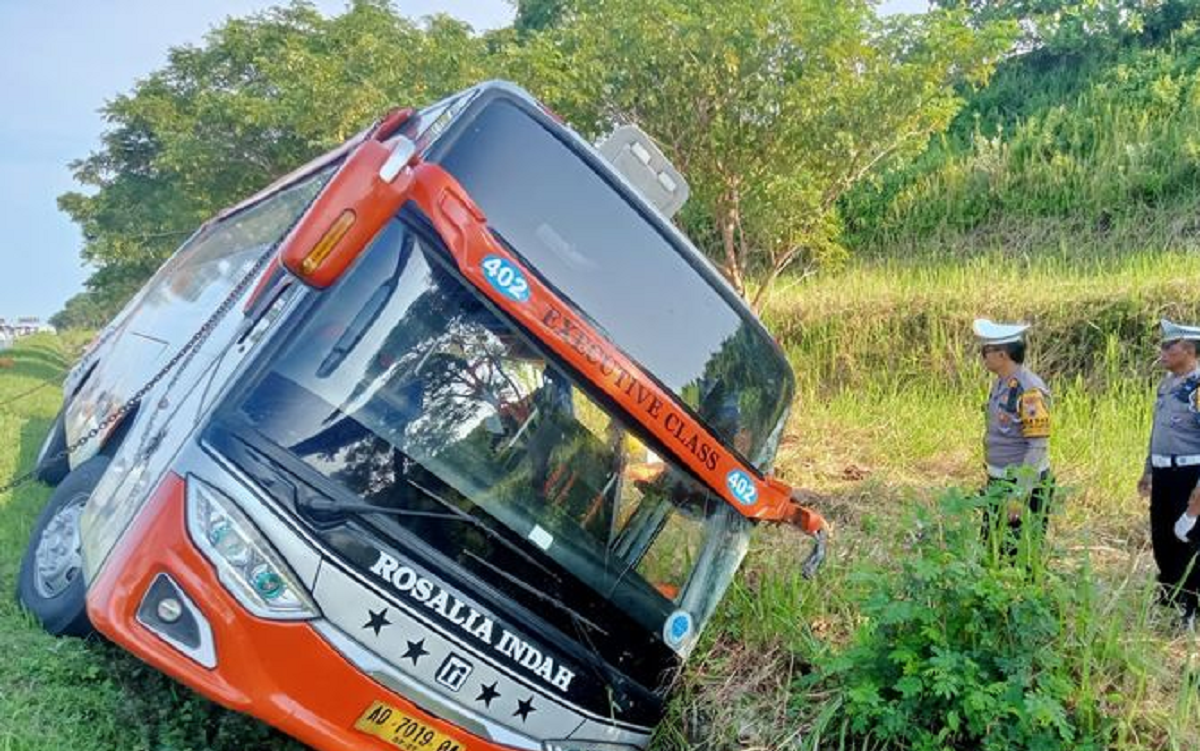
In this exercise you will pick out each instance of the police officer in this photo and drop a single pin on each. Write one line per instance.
(1172, 468)
(1017, 440)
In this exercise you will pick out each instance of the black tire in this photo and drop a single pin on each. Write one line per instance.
(55, 595)
(52, 463)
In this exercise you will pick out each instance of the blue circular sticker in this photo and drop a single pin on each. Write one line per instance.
(677, 628)
(742, 487)
(506, 278)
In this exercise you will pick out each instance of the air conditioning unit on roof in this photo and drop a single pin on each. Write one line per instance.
(642, 163)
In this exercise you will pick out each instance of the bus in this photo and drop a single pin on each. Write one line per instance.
(448, 440)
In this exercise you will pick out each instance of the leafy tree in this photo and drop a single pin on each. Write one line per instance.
(1069, 26)
(262, 95)
(772, 108)
(82, 311)
(536, 15)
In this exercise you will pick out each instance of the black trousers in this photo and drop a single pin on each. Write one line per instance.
(1171, 487)
(1039, 503)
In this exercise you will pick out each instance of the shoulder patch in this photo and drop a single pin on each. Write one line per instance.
(1035, 415)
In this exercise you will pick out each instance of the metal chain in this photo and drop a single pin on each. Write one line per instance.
(192, 343)
(189, 347)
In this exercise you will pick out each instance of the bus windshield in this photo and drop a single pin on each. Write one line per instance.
(403, 387)
(633, 279)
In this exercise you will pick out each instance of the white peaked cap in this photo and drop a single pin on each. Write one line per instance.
(1172, 331)
(990, 332)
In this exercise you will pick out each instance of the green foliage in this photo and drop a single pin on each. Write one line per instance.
(911, 322)
(1067, 26)
(960, 643)
(887, 415)
(772, 109)
(1096, 136)
(536, 15)
(263, 95)
(83, 311)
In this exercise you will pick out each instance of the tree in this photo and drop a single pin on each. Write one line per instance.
(1066, 26)
(773, 109)
(261, 96)
(82, 311)
(537, 15)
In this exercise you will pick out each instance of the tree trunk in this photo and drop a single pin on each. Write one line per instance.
(777, 267)
(727, 216)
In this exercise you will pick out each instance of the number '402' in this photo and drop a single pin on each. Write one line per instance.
(506, 278)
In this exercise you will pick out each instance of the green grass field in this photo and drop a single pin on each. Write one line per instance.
(887, 417)
(70, 693)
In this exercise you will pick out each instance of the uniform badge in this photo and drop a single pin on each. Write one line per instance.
(1035, 415)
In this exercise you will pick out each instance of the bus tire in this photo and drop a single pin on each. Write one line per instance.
(50, 584)
(52, 461)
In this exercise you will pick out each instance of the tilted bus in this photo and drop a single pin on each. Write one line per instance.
(448, 440)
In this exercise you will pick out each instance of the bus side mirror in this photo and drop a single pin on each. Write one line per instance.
(362, 196)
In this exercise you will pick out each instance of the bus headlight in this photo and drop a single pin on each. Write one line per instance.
(246, 563)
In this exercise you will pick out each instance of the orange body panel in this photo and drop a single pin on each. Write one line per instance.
(374, 202)
(283, 673)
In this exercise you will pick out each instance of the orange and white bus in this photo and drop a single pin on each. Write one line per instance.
(449, 440)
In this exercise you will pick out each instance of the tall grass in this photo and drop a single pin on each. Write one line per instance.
(888, 418)
(913, 319)
(1094, 141)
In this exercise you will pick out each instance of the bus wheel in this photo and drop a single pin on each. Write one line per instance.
(52, 464)
(50, 584)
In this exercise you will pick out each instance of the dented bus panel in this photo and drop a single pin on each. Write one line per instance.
(465, 459)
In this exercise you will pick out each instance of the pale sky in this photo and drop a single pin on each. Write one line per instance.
(60, 60)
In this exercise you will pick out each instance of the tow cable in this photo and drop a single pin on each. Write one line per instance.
(187, 349)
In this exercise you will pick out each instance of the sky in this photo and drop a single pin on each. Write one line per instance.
(60, 60)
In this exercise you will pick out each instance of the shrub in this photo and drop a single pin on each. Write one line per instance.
(960, 644)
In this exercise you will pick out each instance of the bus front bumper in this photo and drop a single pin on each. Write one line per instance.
(282, 672)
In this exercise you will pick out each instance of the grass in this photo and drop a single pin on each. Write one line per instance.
(69, 693)
(1104, 136)
(887, 416)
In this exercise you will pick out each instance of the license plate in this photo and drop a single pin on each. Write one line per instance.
(403, 731)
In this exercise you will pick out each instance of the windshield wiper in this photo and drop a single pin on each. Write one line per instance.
(327, 506)
(576, 618)
(452, 512)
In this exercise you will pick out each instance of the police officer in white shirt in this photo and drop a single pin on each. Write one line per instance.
(1172, 469)
(1017, 439)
